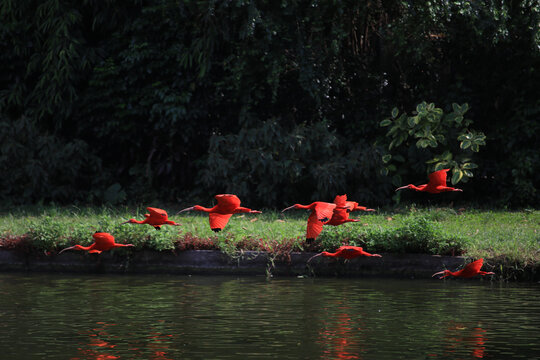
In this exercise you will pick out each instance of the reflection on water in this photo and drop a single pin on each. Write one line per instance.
(173, 317)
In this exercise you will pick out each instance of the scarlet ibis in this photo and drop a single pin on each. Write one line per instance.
(156, 218)
(102, 242)
(321, 213)
(435, 185)
(219, 215)
(346, 252)
(470, 270)
(343, 209)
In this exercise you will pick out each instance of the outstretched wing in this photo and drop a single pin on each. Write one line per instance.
(473, 268)
(218, 221)
(339, 216)
(227, 202)
(314, 226)
(155, 212)
(438, 178)
(324, 211)
(340, 200)
(351, 205)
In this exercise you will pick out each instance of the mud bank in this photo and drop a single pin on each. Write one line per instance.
(210, 262)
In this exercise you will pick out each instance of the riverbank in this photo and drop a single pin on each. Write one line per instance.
(252, 263)
(508, 240)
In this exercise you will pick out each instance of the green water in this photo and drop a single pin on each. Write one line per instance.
(180, 317)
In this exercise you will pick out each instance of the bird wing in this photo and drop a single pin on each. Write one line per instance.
(314, 226)
(102, 241)
(227, 202)
(340, 200)
(438, 178)
(324, 211)
(351, 205)
(347, 252)
(218, 221)
(155, 212)
(473, 268)
(321, 213)
(339, 216)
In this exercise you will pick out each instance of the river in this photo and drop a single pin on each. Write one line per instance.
(52, 316)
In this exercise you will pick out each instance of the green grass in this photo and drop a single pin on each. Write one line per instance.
(511, 237)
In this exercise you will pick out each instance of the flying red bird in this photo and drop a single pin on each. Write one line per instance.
(156, 218)
(321, 213)
(219, 215)
(346, 252)
(102, 242)
(435, 185)
(470, 270)
(343, 209)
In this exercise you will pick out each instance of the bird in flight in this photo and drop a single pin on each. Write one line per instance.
(321, 213)
(435, 185)
(343, 209)
(102, 242)
(470, 270)
(346, 252)
(219, 215)
(156, 218)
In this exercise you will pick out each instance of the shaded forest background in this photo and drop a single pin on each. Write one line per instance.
(276, 101)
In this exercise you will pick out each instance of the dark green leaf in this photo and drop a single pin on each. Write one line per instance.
(385, 122)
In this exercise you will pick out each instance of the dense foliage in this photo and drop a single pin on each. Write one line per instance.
(277, 101)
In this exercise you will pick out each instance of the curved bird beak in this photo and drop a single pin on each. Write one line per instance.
(403, 187)
(439, 273)
(314, 256)
(68, 248)
(125, 222)
(186, 209)
(289, 208)
(255, 212)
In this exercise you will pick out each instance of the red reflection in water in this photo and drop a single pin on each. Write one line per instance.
(98, 342)
(339, 338)
(159, 343)
(100, 345)
(462, 336)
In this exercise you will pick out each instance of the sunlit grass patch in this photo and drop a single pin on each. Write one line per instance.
(474, 233)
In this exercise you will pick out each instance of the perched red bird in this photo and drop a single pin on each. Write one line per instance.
(343, 209)
(156, 218)
(470, 270)
(321, 213)
(346, 252)
(435, 185)
(219, 215)
(102, 242)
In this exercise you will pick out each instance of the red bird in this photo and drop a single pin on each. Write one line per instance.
(435, 185)
(219, 215)
(470, 270)
(321, 213)
(156, 218)
(346, 252)
(343, 209)
(102, 242)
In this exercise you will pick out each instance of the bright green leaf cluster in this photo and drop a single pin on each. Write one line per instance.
(446, 141)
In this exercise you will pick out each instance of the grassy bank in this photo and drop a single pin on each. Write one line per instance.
(507, 237)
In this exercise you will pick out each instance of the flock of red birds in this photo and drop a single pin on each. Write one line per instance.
(322, 213)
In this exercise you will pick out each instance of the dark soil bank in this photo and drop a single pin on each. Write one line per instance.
(213, 262)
